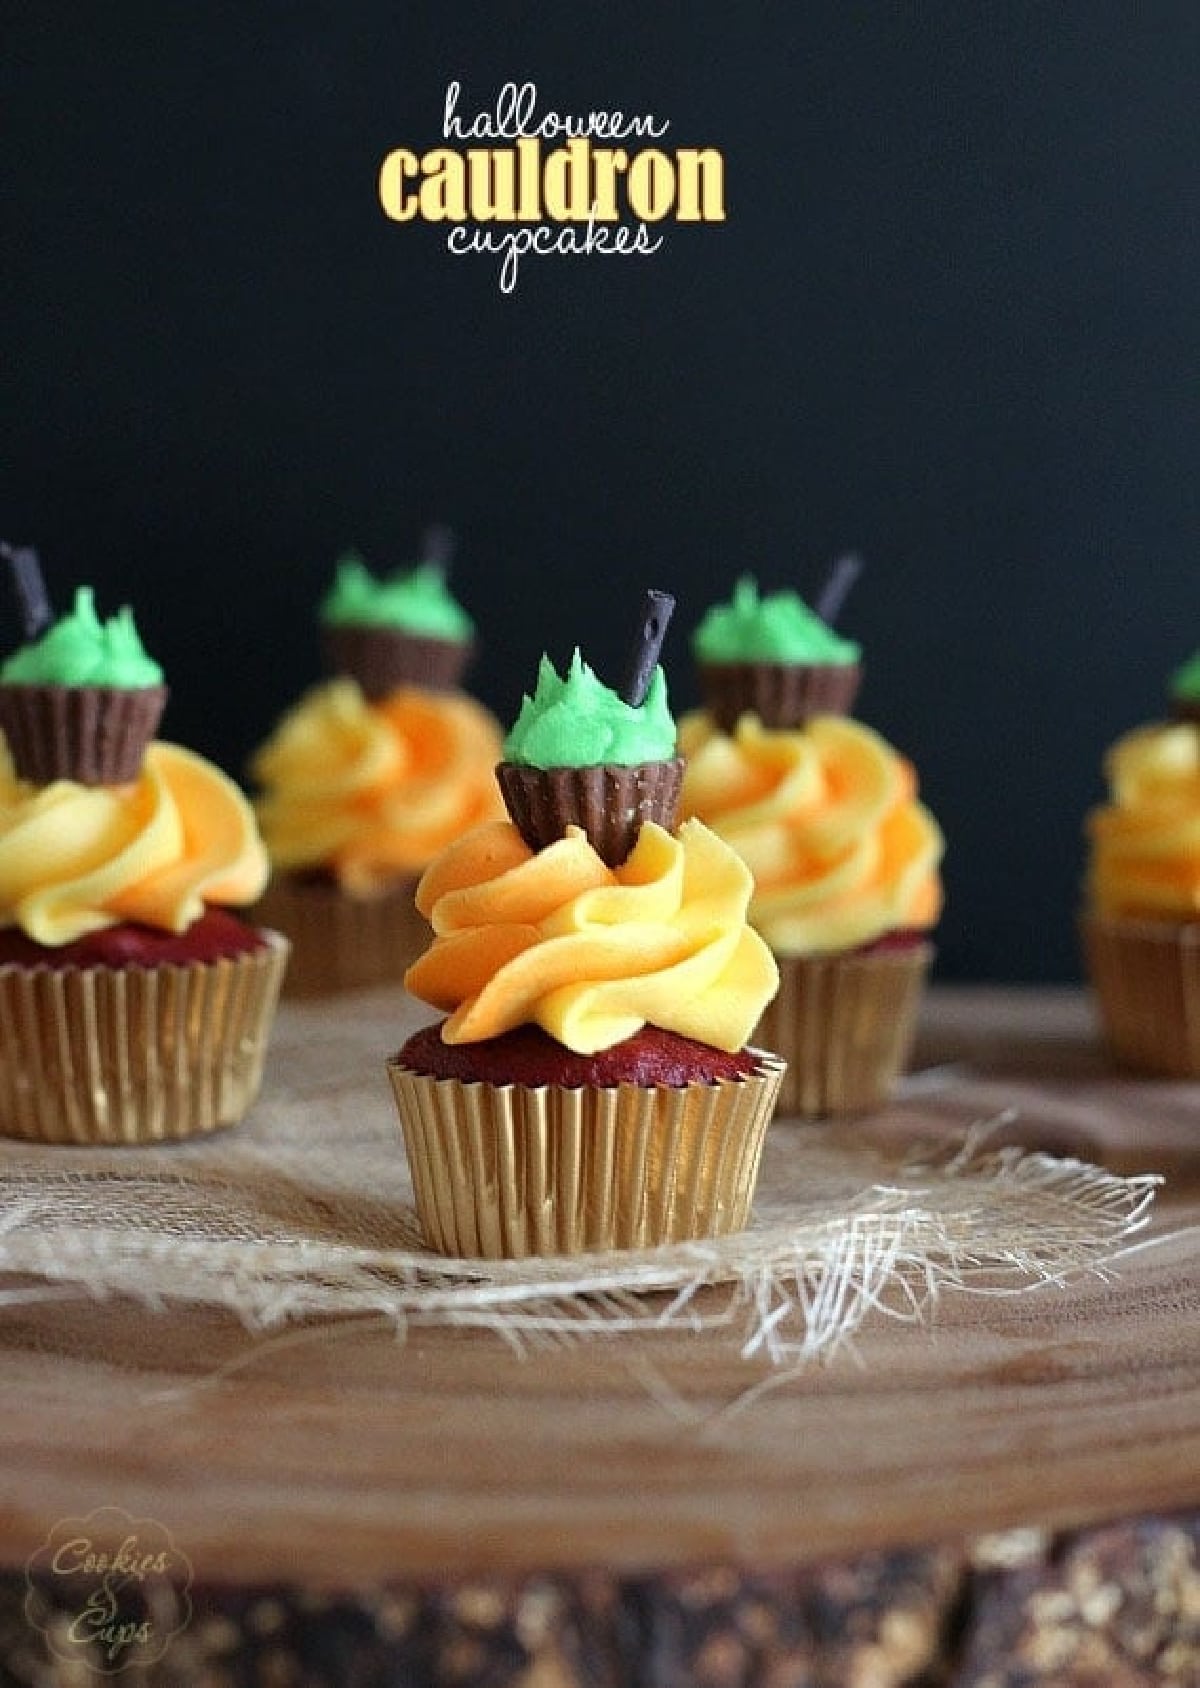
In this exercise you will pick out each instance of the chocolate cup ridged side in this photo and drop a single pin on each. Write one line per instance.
(95, 735)
(503, 1172)
(845, 1026)
(781, 694)
(135, 1054)
(382, 658)
(340, 942)
(610, 803)
(1146, 976)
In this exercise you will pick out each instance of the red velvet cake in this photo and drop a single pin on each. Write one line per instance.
(216, 936)
(530, 1056)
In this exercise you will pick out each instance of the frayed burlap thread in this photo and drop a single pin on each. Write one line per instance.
(306, 1212)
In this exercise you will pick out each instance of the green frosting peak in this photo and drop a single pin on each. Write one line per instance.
(82, 650)
(1185, 682)
(576, 721)
(777, 628)
(416, 601)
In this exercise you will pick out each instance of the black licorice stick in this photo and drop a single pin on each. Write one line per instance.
(643, 658)
(438, 545)
(29, 588)
(838, 587)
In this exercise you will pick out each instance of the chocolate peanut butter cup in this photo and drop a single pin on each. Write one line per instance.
(95, 735)
(383, 658)
(612, 804)
(781, 694)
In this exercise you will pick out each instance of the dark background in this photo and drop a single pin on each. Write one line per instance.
(951, 321)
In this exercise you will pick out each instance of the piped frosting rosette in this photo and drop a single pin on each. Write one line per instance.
(367, 791)
(130, 1053)
(1142, 925)
(76, 859)
(591, 953)
(1146, 840)
(828, 822)
(843, 854)
(358, 797)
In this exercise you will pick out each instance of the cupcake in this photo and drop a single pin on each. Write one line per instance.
(1141, 923)
(590, 1087)
(370, 775)
(844, 858)
(134, 1007)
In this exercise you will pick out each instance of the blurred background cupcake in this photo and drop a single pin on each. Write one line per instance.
(366, 778)
(825, 814)
(1141, 923)
(590, 1088)
(133, 1006)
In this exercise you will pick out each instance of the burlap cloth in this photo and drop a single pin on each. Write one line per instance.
(305, 1211)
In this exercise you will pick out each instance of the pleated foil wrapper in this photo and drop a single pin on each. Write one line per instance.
(95, 735)
(610, 803)
(381, 658)
(781, 694)
(845, 1026)
(135, 1054)
(1146, 975)
(504, 1172)
(340, 942)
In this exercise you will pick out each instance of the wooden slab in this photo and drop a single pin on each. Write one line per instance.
(337, 1456)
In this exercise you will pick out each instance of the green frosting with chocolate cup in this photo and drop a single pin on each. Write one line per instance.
(774, 657)
(82, 701)
(406, 630)
(579, 755)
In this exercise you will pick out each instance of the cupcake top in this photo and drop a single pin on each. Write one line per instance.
(1145, 855)
(82, 650)
(827, 820)
(416, 601)
(591, 954)
(576, 721)
(778, 628)
(158, 851)
(368, 791)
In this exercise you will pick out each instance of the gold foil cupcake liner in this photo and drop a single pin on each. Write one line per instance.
(1146, 976)
(845, 1026)
(96, 735)
(135, 1054)
(383, 658)
(503, 1172)
(781, 694)
(611, 803)
(340, 942)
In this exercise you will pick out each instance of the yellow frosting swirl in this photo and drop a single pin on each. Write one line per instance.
(827, 821)
(1146, 841)
(75, 859)
(591, 953)
(372, 791)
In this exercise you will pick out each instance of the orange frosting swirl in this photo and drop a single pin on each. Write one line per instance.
(75, 859)
(372, 791)
(590, 953)
(1145, 858)
(826, 819)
